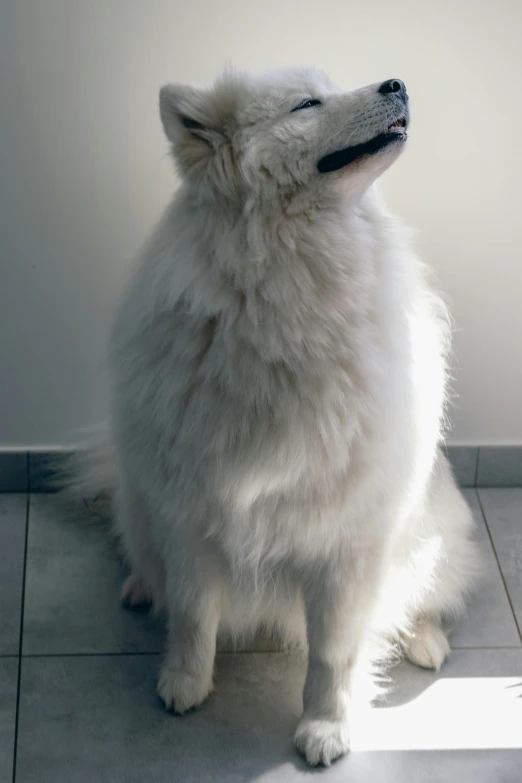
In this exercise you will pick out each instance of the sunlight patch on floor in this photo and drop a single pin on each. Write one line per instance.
(454, 713)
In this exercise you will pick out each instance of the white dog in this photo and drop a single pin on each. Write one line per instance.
(278, 368)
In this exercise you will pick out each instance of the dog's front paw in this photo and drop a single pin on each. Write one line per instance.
(182, 691)
(322, 741)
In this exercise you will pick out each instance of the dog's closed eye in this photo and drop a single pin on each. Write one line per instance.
(191, 124)
(307, 104)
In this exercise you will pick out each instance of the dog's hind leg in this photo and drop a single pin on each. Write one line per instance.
(426, 644)
(135, 592)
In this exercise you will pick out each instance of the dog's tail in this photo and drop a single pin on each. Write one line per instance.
(88, 475)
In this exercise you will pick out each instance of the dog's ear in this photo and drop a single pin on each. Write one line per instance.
(191, 123)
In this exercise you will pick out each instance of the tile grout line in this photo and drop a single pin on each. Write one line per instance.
(502, 647)
(21, 636)
(89, 655)
(38, 656)
(158, 653)
(517, 626)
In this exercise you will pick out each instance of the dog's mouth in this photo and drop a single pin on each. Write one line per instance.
(399, 126)
(396, 132)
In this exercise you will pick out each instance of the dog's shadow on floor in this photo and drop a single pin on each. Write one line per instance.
(244, 730)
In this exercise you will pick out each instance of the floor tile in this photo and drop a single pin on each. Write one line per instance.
(73, 584)
(503, 510)
(91, 719)
(488, 621)
(8, 682)
(12, 544)
(72, 589)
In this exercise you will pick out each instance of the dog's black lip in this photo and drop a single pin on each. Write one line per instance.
(341, 158)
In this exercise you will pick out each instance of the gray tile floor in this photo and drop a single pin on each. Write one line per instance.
(77, 691)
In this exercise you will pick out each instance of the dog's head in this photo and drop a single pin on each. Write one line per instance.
(283, 131)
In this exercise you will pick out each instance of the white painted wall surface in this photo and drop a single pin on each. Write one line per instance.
(84, 174)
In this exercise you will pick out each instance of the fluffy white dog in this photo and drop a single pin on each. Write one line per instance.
(278, 369)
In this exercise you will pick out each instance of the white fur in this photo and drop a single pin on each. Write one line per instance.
(278, 368)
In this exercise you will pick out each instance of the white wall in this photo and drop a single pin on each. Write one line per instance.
(84, 173)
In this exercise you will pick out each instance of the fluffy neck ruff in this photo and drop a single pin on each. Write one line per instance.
(294, 286)
(310, 265)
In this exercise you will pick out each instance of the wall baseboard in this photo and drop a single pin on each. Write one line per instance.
(474, 466)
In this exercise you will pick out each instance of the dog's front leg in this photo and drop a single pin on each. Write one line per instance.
(339, 597)
(193, 597)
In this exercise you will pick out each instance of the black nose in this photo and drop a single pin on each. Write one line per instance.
(394, 85)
